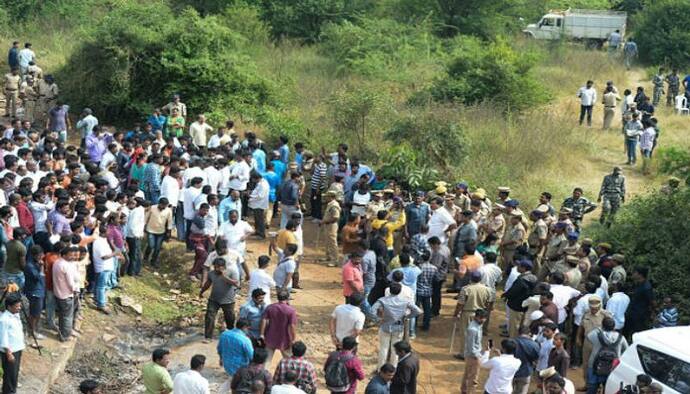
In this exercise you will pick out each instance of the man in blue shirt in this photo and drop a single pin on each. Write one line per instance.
(299, 155)
(417, 213)
(35, 286)
(379, 384)
(253, 311)
(230, 203)
(157, 120)
(284, 150)
(235, 348)
(527, 351)
(259, 157)
(13, 55)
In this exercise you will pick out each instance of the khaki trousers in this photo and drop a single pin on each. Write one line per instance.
(11, 97)
(386, 350)
(507, 258)
(331, 231)
(465, 319)
(29, 110)
(521, 385)
(469, 379)
(609, 114)
(514, 323)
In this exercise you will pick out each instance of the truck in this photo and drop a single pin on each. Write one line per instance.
(593, 27)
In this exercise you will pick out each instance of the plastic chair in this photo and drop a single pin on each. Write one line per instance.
(682, 106)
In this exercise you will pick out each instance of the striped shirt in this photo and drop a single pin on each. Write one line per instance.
(318, 177)
(426, 279)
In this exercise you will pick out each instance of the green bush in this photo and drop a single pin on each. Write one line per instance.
(654, 231)
(138, 56)
(675, 161)
(662, 33)
(492, 72)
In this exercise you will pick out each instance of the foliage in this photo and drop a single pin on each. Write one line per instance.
(357, 113)
(435, 134)
(246, 20)
(492, 72)
(137, 57)
(21, 10)
(383, 48)
(675, 161)
(662, 34)
(654, 231)
(401, 162)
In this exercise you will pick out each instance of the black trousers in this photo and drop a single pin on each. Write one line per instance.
(315, 203)
(260, 222)
(212, 311)
(10, 373)
(586, 109)
(436, 297)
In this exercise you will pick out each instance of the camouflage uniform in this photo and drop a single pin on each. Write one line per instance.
(673, 86)
(612, 194)
(580, 207)
(658, 82)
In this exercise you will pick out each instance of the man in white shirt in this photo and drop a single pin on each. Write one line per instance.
(441, 221)
(213, 176)
(347, 320)
(618, 304)
(211, 218)
(134, 234)
(11, 342)
(188, 196)
(239, 172)
(236, 232)
(561, 295)
(86, 124)
(194, 171)
(218, 139)
(260, 279)
(104, 266)
(258, 203)
(288, 387)
(198, 131)
(191, 382)
(26, 56)
(502, 367)
(588, 96)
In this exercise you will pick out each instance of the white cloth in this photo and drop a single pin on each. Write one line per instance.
(587, 96)
(136, 223)
(617, 305)
(647, 138)
(439, 222)
(106, 160)
(170, 189)
(581, 307)
(189, 194)
(260, 279)
(286, 389)
(86, 125)
(214, 178)
(239, 176)
(101, 248)
(190, 382)
(191, 173)
(233, 234)
(198, 132)
(26, 55)
(258, 199)
(347, 319)
(213, 142)
(561, 295)
(11, 332)
(211, 221)
(502, 369)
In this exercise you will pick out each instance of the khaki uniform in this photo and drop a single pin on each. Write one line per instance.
(472, 297)
(463, 202)
(538, 234)
(573, 277)
(373, 209)
(332, 213)
(29, 95)
(589, 323)
(181, 108)
(36, 71)
(555, 252)
(610, 100)
(516, 233)
(47, 95)
(496, 224)
(11, 94)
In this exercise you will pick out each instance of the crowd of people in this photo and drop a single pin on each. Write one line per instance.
(75, 218)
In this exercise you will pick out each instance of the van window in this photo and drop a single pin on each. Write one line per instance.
(547, 22)
(558, 22)
(668, 370)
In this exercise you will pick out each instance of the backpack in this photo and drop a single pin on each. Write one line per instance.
(606, 357)
(247, 377)
(337, 379)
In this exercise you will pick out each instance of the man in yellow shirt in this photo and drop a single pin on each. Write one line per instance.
(383, 219)
(155, 375)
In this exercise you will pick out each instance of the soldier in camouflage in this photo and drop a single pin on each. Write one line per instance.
(613, 195)
(658, 82)
(673, 87)
(580, 206)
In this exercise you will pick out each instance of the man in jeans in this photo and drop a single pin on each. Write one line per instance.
(473, 351)
(258, 203)
(289, 198)
(392, 310)
(104, 266)
(159, 223)
(425, 287)
(527, 351)
(65, 286)
(224, 286)
(588, 96)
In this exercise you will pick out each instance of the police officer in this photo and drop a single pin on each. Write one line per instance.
(29, 95)
(612, 194)
(330, 222)
(580, 206)
(12, 81)
(658, 82)
(673, 82)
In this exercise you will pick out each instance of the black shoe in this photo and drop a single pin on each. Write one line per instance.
(459, 357)
(452, 290)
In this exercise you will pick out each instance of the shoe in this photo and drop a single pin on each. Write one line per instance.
(413, 336)
(39, 336)
(452, 291)
(459, 357)
(298, 287)
(105, 310)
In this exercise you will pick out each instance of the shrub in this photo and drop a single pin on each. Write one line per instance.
(401, 162)
(493, 72)
(662, 34)
(675, 161)
(654, 231)
(137, 57)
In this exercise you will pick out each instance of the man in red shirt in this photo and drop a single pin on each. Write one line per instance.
(353, 280)
(352, 363)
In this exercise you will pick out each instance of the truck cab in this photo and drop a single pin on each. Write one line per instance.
(548, 28)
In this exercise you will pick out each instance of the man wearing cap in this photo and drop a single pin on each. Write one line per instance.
(439, 191)
(176, 104)
(495, 222)
(520, 290)
(28, 92)
(462, 197)
(591, 320)
(618, 274)
(375, 205)
(512, 239)
(503, 195)
(538, 236)
(12, 82)
(612, 193)
(472, 297)
(580, 206)
(554, 383)
(330, 223)
(564, 216)
(417, 214)
(555, 250)
(573, 275)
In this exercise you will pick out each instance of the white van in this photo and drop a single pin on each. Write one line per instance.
(662, 353)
